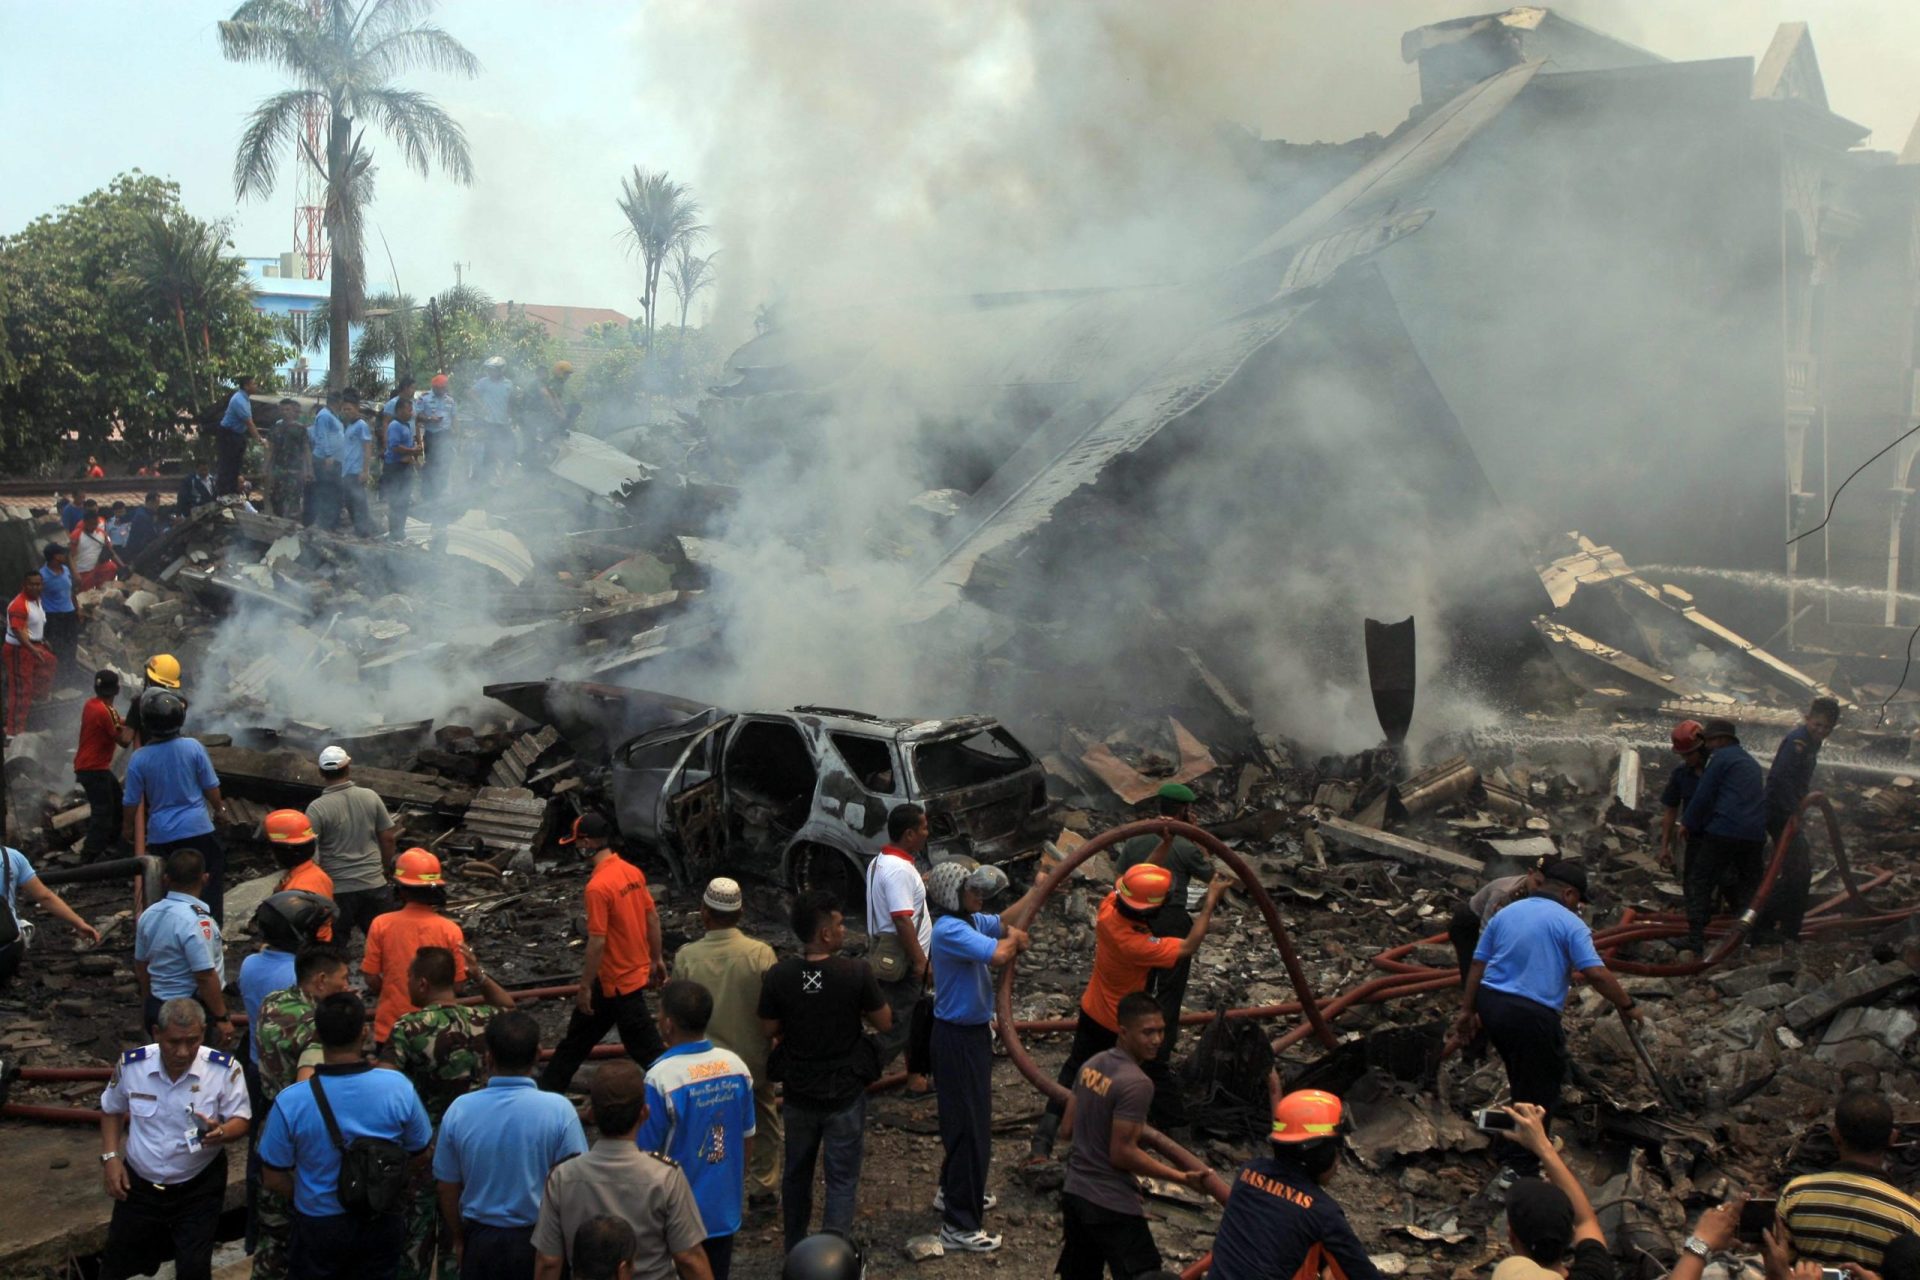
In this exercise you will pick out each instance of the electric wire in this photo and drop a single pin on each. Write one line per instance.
(1849, 480)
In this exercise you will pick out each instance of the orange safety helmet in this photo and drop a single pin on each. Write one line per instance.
(1144, 886)
(417, 869)
(288, 826)
(1688, 736)
(1306, 1115)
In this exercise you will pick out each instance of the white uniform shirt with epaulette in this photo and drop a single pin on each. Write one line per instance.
(160, 1111)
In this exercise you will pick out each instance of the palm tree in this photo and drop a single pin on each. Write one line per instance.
(661, 215)
(180, 263)
(343, 56)
(689, 273)
(387, 337)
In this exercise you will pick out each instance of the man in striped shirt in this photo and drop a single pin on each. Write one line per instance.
(1850, 1213)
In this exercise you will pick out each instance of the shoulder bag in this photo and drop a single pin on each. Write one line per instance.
(885, 952)
(373, 1171)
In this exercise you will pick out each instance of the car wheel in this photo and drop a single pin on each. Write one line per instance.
(821, 868)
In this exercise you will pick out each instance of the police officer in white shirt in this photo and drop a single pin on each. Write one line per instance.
(170, 1112)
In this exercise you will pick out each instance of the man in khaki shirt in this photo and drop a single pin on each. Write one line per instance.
(617, 1179)
(728, 963)
(357, 839)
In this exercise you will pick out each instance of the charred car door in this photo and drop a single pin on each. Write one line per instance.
(667, 792)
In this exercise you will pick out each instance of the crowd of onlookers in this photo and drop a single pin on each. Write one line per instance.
(401, 1116)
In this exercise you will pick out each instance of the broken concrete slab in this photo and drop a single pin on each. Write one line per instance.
(1862, 986)
(1737, 982)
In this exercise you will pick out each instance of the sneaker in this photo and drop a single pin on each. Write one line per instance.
(987, 1201)
(955, 1240)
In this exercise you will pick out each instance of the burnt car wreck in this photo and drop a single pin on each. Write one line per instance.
(802, 795)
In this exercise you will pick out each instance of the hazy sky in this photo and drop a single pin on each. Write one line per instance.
(572, 95)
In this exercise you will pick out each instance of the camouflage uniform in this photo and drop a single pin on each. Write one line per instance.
(439, 1049)
(285, 1032)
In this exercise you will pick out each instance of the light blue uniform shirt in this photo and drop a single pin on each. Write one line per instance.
(500, 1143)
(328, 437)
(56, 590)
(22, 872)
(367, 1102)
(399, 436)
(262, 974)
(172, 777)
(177, 937)
(353, 460)
(1531, 947)
(962, 983)
(492, 399)
(239, 414)
(434, 412)
(699, 1113)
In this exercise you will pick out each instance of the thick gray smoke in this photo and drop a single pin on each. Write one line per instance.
(904, 157)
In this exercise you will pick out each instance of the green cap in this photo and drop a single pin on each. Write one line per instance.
(1178, 792)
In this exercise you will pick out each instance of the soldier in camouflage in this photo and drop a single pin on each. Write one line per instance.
(440, 1048)
(285, 1034)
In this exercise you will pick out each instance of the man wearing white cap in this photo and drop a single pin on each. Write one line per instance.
(356, 842)
(729, 964)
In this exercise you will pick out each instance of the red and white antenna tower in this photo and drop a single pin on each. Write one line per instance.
(309, 212)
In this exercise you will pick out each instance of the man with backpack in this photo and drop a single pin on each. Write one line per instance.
(340, 1145)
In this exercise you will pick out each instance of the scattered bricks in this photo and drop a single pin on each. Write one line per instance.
(1738, 982)
(1862, 986)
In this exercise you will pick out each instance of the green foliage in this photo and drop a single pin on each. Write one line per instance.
(627, 381)
(661, 216)
(94, 342)
(343, 56)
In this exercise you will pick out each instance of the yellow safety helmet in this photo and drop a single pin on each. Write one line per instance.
(163, 669)
(561, 368)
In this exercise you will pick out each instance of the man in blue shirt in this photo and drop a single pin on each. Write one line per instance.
(299, 1159)
(398, 463)
(492, 397)
(497, 1145)
(1280, 1223)
(967, 943)
(327, 438)
(72, 508)
(63, 617)
(700, 1115)
(356, 470)
(230, 441)
(1690, 744)
(1788, 783)
(173, 776)
(1518, 987)
(177, 949)
(143, 526)
(17, 876)
(1726, 824)
(434, 414)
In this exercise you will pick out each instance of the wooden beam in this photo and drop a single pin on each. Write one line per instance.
(1399, 848)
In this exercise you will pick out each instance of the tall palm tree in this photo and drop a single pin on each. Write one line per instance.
(689, 273)
(343, 56)
(179, 265)
(661, 215)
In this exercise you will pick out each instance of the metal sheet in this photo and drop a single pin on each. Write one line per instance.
(597, 466)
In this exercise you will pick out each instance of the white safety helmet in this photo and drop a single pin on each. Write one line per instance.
(496, 362)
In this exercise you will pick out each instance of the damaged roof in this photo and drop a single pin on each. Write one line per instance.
(1205, 332)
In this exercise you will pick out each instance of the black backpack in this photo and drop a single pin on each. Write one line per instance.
(373, 1171)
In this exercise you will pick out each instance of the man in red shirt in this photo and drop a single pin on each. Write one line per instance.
(1125, 951)
(30, 663)
(623, 959)
(101, 734)
(393, 938)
